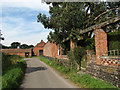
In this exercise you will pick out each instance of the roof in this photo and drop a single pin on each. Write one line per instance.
(15, 50)
(41, 44)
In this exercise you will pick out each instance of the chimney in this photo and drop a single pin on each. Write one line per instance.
(41, 40)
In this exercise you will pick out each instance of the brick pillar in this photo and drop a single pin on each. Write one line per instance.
(100, 43)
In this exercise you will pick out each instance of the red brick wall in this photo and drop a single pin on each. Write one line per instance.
(20, 54)
(51, 50)
(100, 43)
(38, 47)
(36, 50)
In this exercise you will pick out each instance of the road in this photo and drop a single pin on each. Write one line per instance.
(40, 75)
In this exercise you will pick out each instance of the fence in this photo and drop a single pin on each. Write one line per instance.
(114, 52)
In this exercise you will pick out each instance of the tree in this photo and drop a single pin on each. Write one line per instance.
(15, 45)
(24, 46)
(4, 47)
(67, 19)
(30, 46)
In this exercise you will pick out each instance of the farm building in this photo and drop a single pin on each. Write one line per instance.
(20, 52)
(51, 50)
(38, 49)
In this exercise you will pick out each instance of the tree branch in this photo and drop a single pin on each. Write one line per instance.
(105, 12)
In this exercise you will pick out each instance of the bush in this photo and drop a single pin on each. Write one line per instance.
(113, 40)
(12, 76)
(76, 56)
(8, 60)
(13, 68)
(79, 52)
(90, 44)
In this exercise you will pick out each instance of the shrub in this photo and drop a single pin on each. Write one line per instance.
(113, 40)
(12, 76)
(90, 44)
(79, 52)
(76, 56)
(8, 60)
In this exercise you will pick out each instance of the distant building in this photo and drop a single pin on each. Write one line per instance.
(38, 49)
(20, 52)
(42, 48)
(52, 50)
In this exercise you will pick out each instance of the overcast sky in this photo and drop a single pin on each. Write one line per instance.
(19, 21)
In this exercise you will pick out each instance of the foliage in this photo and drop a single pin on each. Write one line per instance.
(8, 60)
(84, 80)
(30, 46)
(4, 47)
(72, 60)
(11, 78)
(68, 19)
(76, 56)
(25, 46)
(15, 45)
(113, 40)
(12, 75)
(56, 64)
(90, 44)
(79, 52)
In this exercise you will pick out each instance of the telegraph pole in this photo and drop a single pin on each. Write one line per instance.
(1, 38)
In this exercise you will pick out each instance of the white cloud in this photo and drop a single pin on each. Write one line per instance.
(32, 39)
(23, 31)
(21, 28)
(32, 4)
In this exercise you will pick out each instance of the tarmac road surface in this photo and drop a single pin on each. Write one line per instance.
(40, 75)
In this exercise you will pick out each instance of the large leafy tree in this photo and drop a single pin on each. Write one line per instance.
(24, 46)
(67, 19)
(15, 45)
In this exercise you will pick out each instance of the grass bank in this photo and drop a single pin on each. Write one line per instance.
(82, 80)
(12, 75)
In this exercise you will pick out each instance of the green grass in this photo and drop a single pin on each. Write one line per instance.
(83, 81)
(12, 76)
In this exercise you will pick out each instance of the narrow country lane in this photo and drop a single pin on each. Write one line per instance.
(40, 75)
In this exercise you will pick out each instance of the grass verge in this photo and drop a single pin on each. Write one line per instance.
(12, 76)
(83, 81)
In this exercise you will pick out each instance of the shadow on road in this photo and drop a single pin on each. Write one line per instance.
(34, 69)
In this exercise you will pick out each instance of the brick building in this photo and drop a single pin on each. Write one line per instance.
(38, 49)
(52, 50)
(20, 52)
